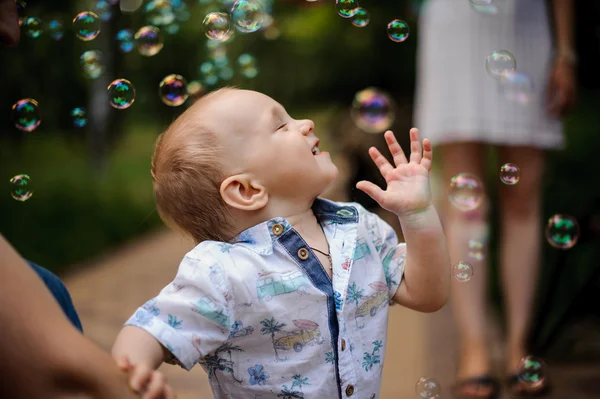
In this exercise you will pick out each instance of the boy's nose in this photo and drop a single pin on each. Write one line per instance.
(307, 127)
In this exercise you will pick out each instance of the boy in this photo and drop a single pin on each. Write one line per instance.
(286, 294)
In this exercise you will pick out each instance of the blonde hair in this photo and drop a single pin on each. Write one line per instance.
(187, 174)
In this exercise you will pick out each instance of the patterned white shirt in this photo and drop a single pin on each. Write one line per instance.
(263, 318)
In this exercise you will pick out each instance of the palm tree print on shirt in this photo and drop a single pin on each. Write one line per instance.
(373, 358)
(174, 322)
(289, 393)
(355, 293)
(271, 327)
(299, 381)
(214, 362)
(329, 357)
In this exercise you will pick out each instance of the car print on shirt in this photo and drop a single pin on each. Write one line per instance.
(308, 333)
(373, 301)
(211, 310)
(271, 284)
(238, 330)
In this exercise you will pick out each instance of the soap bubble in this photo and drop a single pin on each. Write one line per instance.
(20, 188)
(33, 27)
(562, 231)
(466, 192)
(92, 63)
(481, 2)
(428, 388)
(346, 8)
(195, 89)
(208, 71)
(159, 12)
(517, 87)
(510, 174)
(149, 40)
(360, 18)
(86, 25)
(247, 64)
(56, 29)
(477, 250)
(26, 114)
(247, 15)
(225, 72)
(21, 6)
(500, 63)
(486, 9)
(125, 39)
(462, 271)
(531, 371)
(103, 10)
(79, 116)
(172, 29)
(216, 26)
(372, 110)
(398, 30)
(173, 90)
(121, 93)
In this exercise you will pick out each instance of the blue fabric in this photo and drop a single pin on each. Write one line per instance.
(60, 292)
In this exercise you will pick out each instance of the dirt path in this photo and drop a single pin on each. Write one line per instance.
(109, 290)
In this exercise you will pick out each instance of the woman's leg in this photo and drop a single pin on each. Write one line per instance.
(468, 299)
(520, 245)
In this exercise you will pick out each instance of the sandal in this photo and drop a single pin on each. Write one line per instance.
(485, 381)
(518, 388)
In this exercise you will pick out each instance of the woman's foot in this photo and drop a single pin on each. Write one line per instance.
(473, 378)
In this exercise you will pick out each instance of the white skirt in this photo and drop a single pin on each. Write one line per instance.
(456, 99)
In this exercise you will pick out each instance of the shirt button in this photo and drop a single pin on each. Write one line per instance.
(277, 229)
(303, 253)
(343, 344)
(349, 390)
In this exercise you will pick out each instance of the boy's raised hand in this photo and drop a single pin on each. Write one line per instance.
(408, 188)
(148, 383)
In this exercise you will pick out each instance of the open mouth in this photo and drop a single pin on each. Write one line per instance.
(315, 149)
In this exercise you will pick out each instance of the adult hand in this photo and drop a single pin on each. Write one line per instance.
(562, 88)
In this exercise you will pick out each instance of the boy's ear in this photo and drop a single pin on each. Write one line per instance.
(244, 193)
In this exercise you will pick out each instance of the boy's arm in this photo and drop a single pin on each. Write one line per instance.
(425, 285)
(139, 347)
(42, 354)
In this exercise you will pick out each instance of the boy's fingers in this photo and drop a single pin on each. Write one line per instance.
(380, 161)
(123, 363)
(415, 146)
(395, 148)
(169, 393)
(427, 154)
(140, 377)
(371, 189)
(156, 387)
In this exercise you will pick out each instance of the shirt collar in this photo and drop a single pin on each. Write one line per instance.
(262, 237)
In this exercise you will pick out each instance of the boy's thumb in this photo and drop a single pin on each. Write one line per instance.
(123, 363)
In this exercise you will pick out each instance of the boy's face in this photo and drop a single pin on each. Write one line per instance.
(260, 138)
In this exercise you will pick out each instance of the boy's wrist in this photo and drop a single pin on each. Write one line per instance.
(418, 219)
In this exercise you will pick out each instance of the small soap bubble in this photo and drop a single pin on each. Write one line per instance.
(172, 29)
(372, 110)
(481, 2)
(208, 71)
(195, 89)
(510, 174)
(360, 18)
(92, 63)
(56, 29)
(477, 250)
(462, 271)
(21, 6)
(216, 26)
(149, 40)
(121, 93)
(500, 63)
(21, 187)
(103, 10)
(346, 8)
(398, 30)
(86, 25)
(125, 39)
(159, 12)
(79, 116)
(33, 27)
(225, 73)
(428, 388)
(466, 192)
(517, 87)
(26, 114)
(247, 15)
(173, 90)
(247, 64)
(562, 231)
(531, 371)
(485, 9)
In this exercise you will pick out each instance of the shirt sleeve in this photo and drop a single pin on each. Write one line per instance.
(190, 317)
(391, 253)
